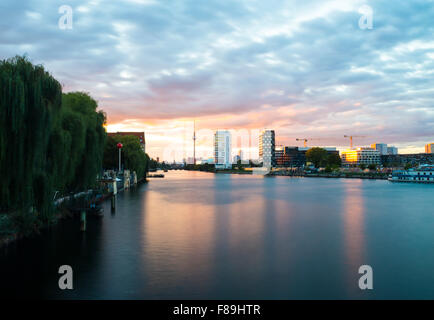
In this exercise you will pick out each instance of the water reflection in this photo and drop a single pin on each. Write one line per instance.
(200, 235)
(178, 240)
(353, 214)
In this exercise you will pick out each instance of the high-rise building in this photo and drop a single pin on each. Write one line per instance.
(392, 150)
(267, 148)
(381, 147)
(429, 148)
(222, 149)
(357, 156)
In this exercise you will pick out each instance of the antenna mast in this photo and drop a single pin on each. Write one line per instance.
(194, 142)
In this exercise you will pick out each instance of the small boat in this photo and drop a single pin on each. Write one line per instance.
(156, 176)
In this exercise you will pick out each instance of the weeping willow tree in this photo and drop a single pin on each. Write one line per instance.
(48, 142)
(77, 143)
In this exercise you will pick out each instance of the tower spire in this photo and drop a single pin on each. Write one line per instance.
(194, 142)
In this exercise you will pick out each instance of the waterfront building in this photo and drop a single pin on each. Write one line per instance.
(361, 155)
(222, 149)
(380, 147)
(296, 156)
(392, 150)
(236, 159)
(140, 135)
(267, 148)
(400, 160)
(290, 157)
(429, 148)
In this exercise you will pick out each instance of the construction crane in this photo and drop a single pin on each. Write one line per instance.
(351, 139)
(305, 140)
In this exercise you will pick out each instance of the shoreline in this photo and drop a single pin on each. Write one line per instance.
(306, 175)
(61, 214)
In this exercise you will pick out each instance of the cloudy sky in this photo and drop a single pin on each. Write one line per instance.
(303, 68)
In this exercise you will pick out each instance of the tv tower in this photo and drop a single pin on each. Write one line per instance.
(194, 142)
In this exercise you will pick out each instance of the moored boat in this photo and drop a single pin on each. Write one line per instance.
(421, 174)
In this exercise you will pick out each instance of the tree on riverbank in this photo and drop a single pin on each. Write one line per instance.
(48, 142)
(133, 157)
(321, 158)
(318, 156)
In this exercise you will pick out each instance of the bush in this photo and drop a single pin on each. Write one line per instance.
(6, 225)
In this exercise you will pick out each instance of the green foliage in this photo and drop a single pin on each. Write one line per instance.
(7, 226)
(321, 158)
(81, 134)
(362, 166)
(30, 100)
(334, 160)
(133, 157)
(153, 164)
(48, 142)
(201, 167)
(318, 156)
(372, 167)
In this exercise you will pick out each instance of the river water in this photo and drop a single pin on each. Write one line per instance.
(196, 235)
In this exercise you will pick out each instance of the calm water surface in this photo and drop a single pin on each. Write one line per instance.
(195, 235)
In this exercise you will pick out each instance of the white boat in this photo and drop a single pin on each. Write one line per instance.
(422, 174)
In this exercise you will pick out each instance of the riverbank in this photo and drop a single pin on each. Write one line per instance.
(222, 171)
(338, 175)
(289, 173)
(10, 235)
(233, 171)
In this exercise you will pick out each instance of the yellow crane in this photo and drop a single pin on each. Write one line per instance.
(305, 140)
(351, 139)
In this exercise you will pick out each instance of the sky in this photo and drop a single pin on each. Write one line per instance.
(307, 69)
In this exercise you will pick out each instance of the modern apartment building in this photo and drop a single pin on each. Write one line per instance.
(429, 148)
(380, 147)
(392, 150)
(289, 157)
(222, 149)
(267, 148)
(358, 156)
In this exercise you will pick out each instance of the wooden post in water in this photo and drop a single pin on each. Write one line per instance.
(83, 221)
(113, 202)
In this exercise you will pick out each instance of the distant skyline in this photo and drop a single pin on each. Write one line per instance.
(304, 68)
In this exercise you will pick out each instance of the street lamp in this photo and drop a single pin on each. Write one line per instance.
(119, 145)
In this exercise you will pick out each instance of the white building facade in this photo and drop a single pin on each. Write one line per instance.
(223, 149)
(358, 156)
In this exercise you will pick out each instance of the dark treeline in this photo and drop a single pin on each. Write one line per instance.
(49, 142)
